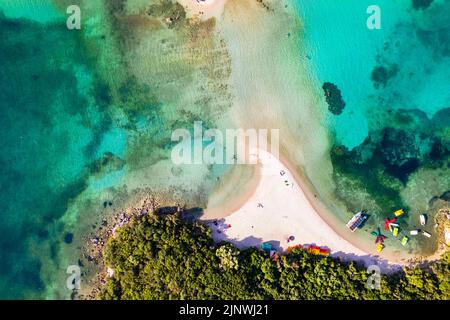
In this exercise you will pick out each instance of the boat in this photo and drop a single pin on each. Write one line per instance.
(423, 219)
(426, 234)
(356, 221)
(380, 247)
(405, 240)
(399, 213)
(414, 232)
(395, 232)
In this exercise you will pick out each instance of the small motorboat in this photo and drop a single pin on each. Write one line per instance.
(356, 221)
(414, 232)
(426, 234)
(423, 219)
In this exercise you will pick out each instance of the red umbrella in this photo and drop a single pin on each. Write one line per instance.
(380, 238)
(387, 222)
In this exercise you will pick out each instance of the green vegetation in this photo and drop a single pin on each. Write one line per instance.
(166, 257)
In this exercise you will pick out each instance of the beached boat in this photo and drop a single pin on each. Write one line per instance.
(356, 221)
(380, 247)
(405, 240)
(423, 219)
(414, 232)
(426, 234)
(399, 212)
(395, 232)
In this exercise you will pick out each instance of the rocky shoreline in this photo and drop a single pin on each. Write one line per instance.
(95, 272)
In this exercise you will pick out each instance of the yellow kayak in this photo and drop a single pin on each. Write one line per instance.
(380, 247)
(399, 212)
(395, 232)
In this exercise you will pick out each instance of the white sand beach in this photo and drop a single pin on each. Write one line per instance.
(278, 209)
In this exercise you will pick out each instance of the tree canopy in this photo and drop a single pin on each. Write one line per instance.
(166, 257)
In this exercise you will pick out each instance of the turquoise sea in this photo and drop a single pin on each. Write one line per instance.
(391, 141)
(75, 125)
(413, 44)
(52, 130)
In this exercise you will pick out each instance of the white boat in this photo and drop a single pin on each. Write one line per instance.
(426, 234)
(356, 221)
(423, 219)
(414, 232)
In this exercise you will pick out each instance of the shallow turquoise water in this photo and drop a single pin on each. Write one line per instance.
(37, 10)
(344, 51)
(395, 82)
(58, 124)
(64, 135)
(52, 130)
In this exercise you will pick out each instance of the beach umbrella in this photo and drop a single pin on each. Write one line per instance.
(379, 236)
(387, 223)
